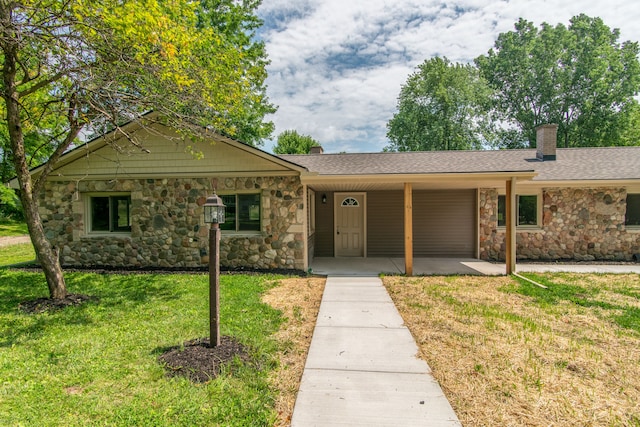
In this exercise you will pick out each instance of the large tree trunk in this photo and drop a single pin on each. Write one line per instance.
(47, 254)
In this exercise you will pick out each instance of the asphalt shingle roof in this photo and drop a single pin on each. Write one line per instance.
(610, 163)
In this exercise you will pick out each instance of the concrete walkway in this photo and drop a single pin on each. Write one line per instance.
(362, 368)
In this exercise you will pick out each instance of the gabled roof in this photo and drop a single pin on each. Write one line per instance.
(162, 152)
(573, 164)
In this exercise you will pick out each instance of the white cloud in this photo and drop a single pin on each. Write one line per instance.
(337, 65)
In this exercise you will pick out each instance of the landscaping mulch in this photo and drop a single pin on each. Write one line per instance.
(42, 305)
(199, 362)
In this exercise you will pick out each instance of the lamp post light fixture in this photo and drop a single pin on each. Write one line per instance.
(214, 215)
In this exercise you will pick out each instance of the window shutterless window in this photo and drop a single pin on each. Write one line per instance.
(632, 215)
(242, 212)
(527, 208)
(110, 213)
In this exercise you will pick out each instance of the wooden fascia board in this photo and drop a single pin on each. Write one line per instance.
(228, 174)
(583, 183)
(416, 178)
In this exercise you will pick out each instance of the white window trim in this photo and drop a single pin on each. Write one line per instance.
(88, 214)
(526, 228)
(311, 197)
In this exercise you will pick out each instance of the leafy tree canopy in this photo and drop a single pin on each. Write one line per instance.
(442, 106)
(69, 64)
(579, 77)
(291, 142)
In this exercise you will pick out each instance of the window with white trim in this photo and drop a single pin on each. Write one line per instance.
(527, 210)
(242, 212)
(110, 213)
(632, 215)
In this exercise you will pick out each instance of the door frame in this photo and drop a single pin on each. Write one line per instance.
(337, 201)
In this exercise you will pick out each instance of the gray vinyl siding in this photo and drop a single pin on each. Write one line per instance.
(385, 224)
(444, 223)
(324, 225)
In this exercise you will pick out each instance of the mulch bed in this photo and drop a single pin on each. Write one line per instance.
(198, 361)
(105, 269)
(42, 305)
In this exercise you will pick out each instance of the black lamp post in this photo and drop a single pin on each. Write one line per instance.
(214, 215)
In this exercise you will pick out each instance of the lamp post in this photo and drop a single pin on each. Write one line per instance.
(214, 215)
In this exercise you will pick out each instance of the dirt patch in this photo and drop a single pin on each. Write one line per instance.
(14, 240)
(299, 300)
(199, 362)
(42, 305)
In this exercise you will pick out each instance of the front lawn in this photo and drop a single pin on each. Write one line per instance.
(96, 364)
(12, 228)
(511, 353)
(15, 254)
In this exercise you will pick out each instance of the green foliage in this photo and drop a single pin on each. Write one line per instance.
(291, 142)
(238, 23)
(96, 364)
(115, 62)
(442, 106)
(10, 207)
(579, 77)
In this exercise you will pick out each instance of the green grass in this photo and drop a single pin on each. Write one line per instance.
(96, 364)
(573, 289)
(12, 228)
(15, 254)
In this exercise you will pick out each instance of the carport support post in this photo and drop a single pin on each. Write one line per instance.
(408, 229)
(214, 284)
(510, 238)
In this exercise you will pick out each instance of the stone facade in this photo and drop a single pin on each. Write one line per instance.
(582, 224)
(167, 223)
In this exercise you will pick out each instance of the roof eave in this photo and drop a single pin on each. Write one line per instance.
(419, 177)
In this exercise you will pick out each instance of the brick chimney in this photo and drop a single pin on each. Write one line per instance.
(316, 149)
(546, 142)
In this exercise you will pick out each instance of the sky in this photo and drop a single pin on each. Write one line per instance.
(337, 66)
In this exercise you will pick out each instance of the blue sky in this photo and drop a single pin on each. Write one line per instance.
(337, 65)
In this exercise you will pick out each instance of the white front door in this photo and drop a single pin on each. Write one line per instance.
(349, 224)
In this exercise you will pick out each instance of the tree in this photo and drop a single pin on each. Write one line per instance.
(67, 65)
(442, 106)
(291, 142)
(237, 22)
(579, 77)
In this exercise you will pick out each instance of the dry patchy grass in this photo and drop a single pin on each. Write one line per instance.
(299, 300)
(512, 358)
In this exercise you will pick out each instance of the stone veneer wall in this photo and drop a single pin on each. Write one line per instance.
(167, 224)
(582, 224)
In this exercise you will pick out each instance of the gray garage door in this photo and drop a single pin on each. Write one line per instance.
(444, 223)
